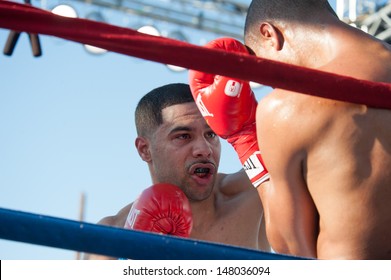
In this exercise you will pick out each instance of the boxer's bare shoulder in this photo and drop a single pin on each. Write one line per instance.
(117, 220)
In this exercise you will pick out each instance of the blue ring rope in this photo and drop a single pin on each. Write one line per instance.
(117, 242)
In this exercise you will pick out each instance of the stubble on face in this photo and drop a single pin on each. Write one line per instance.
(182, 176)
(173, 161)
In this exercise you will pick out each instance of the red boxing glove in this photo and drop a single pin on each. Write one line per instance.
(229, 106)
(162, 208)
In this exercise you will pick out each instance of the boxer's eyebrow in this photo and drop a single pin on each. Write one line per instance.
(180, 128)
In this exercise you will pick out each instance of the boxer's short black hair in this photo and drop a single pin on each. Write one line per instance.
(148, 113)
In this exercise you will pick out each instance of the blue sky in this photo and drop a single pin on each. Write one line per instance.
(67, 128)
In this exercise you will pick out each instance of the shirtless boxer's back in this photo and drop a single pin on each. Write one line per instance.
(329, 161)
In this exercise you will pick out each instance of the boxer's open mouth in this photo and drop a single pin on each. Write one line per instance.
(201, 172)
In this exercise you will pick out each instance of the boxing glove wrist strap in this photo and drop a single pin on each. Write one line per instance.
(247, 149)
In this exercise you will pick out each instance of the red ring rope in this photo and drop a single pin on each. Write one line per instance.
(25, 18)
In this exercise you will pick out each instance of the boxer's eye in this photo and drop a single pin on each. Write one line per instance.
(211, 135)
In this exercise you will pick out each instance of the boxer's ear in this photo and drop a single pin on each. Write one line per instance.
(142, 146)
(271, 36)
